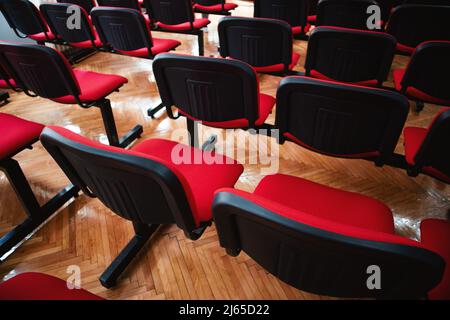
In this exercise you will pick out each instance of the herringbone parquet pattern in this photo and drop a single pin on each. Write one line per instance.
(87, 234)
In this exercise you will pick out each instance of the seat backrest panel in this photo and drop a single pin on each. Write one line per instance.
(170, 11)
(344, 13)
(293, 12)
(85, 4)
(132, 4)
(23, 16)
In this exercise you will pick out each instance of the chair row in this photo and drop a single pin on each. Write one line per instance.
(324, 247)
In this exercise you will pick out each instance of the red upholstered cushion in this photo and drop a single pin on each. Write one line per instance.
(328, 203)
(413, 138)
(298, 29)
(5, 85)
(42, 37)
(318, 75)
(404, 49)
(312, 19)
(198, 24)
(199, 179)
(216, 8)
(435, 236)
(266, 104)
(278, 67)
(88, 43)
(413, 92)
(93, 86)
(39, 286)
(159, 46)
(17, 134)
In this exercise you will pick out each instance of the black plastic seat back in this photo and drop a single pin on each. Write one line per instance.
(312, 7)
(344, 13)
(39, 69)
(323, 261)
(207, 89)
(340, 119)
(350, 55)
(429, 69)
(387, 5)
(414, 24)
(122, 28)
(136, 188)
(85, 4)
(170, 11)
(23, 16)
(57, 18)
(429, 2)
(293, 12)
(434, 151)
(132, 4)
(257, 41)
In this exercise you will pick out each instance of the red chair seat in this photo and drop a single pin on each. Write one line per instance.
(216, 8)
(415, 93)
(88, 43)
(42, 37)
(17, 134)
(185, 26)
(318, 75)
(312, 19)
(266, 104)
(93, 86)
(5, 85)
(328, 203)
(278, 67)
(435, 235)
(404, 49)
(159, 46)
(299, 29)
(39, 286)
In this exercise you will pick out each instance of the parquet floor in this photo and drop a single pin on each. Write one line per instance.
(87, 234)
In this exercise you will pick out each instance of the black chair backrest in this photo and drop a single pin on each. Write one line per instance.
(257, 41)
(22, 15)
(387, 5)
(414, 24)
(344, 13)
(39, 69)
(170, 11)
(57, 17)
(350, 55)
(324, 261)
(429, 68)
(312, 7)
(434, 151)
(429, 2)
(208, 89)
(85, 4)
(132, 4)
(140, 189)
(122, 28)
(293, 12)
(340, 119)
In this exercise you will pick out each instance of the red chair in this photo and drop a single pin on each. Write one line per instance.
(87, 5)
(18, 135)
(220, 7)
(426, 149)
(43, 71)
(425, 79)
(6, 82)
(324, 240)
(147, 185)
(126, 32)
(40, 286)
(176, 16)
(312, 13)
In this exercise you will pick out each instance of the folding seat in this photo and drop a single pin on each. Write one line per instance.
(57, 16)
(220, 93)
(425, 79)
(312, 11)
(87, 5)
(426, 149)
(344, 13)
(176, 16)
(126, 31)
(214, 7)
(325, 240)
(43, 71)
(340, 120)
(26, 20)
(40, 286)
(265, 44)
(350, 55)
(293, 12)
(414, 24)
(148, 185)
(17, 135)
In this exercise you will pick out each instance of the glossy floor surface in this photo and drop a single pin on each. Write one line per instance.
(88, 235)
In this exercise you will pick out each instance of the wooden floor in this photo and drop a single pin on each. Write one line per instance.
(87, 234)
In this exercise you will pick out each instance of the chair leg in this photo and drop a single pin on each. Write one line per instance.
(37, 215)
(201, 45)
(111, 130)
(419, 105)
(109, 277)
(4, 96)
(210, 144)
(152, 111)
